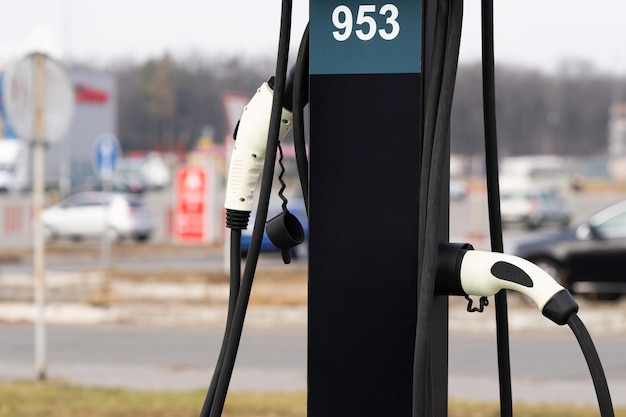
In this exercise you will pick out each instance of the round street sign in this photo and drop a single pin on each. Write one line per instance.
(37, 78)
(106, 153)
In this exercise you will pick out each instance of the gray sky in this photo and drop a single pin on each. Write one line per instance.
(533, 33)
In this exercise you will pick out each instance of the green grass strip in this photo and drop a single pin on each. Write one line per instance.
(60, 399)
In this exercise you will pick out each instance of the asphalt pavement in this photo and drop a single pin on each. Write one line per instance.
(546, 368)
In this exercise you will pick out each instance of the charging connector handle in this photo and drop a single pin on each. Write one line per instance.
(248, 154)
(483, 274)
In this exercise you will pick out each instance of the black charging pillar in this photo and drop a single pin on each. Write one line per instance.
(367, 90)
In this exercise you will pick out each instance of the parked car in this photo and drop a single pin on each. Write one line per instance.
(533, 208)
(297, 209)
(91, 214)
(590, 258)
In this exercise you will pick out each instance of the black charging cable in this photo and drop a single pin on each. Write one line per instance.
(435, 145)
(300, 100)
(214, 403)
(493, 203)
(235, 282)
(433, 92)
(595, 366)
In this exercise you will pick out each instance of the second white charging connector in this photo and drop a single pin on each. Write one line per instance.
(463, 271)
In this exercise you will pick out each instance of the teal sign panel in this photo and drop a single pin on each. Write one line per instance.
(379, 37)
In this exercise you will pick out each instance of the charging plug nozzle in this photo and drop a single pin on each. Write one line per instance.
(481, 273)
(248, 155)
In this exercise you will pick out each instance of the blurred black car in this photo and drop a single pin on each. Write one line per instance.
(589, 259)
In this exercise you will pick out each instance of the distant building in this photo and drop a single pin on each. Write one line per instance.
(95, 113)
(69, 160)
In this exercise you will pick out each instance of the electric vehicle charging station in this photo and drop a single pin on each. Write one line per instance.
(378, 80)
(366, 99)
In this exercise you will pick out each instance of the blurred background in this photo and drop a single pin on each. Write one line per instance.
(169, 80)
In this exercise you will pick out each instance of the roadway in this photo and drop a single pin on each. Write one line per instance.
(546, 367)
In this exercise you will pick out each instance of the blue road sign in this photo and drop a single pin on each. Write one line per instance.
(106, 154)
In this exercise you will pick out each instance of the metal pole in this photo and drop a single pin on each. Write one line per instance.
(38, 203)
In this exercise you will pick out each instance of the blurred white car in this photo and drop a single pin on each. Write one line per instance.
(534, 208)
(93, 213)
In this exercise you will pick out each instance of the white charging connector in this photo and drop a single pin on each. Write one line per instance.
(248, 155)
(483, 274)
(486, 273)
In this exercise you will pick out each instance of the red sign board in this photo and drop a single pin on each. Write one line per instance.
(191, 196)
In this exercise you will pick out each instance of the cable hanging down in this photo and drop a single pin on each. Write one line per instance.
(493, 203)
(436, 136)
(300, 99)
(243, 296)
(595, 366)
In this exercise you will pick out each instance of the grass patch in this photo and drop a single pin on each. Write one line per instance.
(482, 409)
(59, 399)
